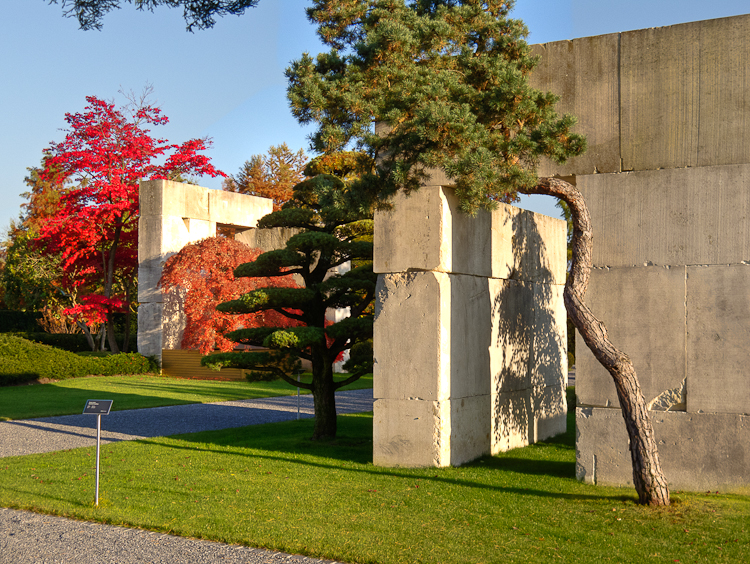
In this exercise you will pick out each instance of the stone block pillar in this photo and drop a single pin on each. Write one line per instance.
(470, 334)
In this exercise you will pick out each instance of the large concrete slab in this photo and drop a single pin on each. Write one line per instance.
(470, 337)
(660, 89)
(411, 433)
(512, 338)
(698, 451)
(584, 73)
(549, 350)
(426, 231)
(718, 325)
(667, 97)
(149, 329)
(471, 428)
(687, 85)
(725, 91)
(512, 420)
(411, 337)
(670, 217)
(549, 411)
(646, 321)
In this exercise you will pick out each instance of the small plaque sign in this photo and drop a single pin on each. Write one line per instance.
(97, 407)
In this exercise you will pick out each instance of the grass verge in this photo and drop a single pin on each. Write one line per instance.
(269, 486)
(132, 392)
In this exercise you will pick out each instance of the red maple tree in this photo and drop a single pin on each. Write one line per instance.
(107, 151)
(204, 271)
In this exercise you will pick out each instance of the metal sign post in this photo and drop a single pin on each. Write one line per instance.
(98, 408)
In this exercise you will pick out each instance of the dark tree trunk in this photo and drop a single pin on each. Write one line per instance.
(324, 399)
(126, 339)
(111, 338)
(647, 474)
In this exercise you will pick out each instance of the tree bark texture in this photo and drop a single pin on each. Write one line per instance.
(648, 477)
(324, 400)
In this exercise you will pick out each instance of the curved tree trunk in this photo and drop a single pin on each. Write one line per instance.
(647, 474)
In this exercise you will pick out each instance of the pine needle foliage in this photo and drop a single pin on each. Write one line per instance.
(446, 82)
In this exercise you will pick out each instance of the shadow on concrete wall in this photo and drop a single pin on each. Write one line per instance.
(528, 388)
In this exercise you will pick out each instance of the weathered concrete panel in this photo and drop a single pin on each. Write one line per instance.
(698, 451)
(549, 350)
(412, 336)
(267, 239)
(718, 325)
(511, 338)
(670, 217)
(149, 329)
(538, 253)
(660, 74)
(584, 73)
(410, 238)
(426, 231)
(646, 321)
(470, 334)
(725, 91)
(411, 433)
(471, 427)
(512, 421)
(237, 209)
(549, 411)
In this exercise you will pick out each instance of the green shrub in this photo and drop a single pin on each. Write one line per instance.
(76, 343)
(22, 360)
(68, 342)
(12, 321)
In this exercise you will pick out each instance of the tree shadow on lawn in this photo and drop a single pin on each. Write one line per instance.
(452, 476)
(353, 448)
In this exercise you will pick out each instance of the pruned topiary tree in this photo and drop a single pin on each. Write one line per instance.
(334, 233)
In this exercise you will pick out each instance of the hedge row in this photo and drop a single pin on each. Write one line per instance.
(12, 320)
(70, 342)
(22, 360)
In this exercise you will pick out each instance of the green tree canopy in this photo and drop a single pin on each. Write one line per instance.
(447, 82)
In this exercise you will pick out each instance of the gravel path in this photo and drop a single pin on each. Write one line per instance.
(46, 434)
(30, 538)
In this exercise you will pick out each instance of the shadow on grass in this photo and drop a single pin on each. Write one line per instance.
(289, 442)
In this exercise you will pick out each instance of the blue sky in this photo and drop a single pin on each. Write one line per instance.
(227, 82)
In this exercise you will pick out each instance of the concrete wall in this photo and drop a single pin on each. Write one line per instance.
(173, 215)
(470, 334)
(667, 181)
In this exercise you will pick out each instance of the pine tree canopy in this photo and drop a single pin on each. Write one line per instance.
(446, 82)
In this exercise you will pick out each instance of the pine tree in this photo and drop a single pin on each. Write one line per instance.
(333, 234)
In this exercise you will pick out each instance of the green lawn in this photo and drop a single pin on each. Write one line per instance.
(131, 392)
(270, 486)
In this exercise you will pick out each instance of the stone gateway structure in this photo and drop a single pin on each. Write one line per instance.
(470, 338)
(667, 181)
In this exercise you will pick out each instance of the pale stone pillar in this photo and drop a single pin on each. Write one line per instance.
(470, 334)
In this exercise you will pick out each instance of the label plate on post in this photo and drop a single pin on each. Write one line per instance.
(97, 407)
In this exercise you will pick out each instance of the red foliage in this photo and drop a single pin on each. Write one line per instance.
(205, 271)
(95, 228)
